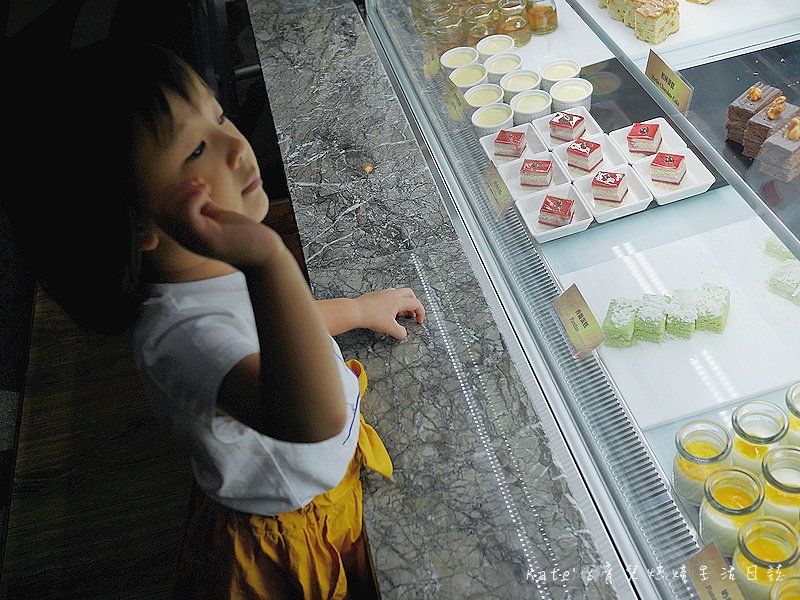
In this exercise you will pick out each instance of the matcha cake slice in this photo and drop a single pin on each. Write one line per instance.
(786, 280)
(712, 308)
(619, 322)
(650, 323)
(681, 313)
(776, 249)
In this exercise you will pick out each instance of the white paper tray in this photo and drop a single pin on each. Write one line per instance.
(671, 141)
(533, 145)
(696, 181)
(542, 126)
(612, 156)
(637, 199)
(528, 208)
(510, 174)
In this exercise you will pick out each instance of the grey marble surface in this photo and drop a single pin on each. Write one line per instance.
(477, 507)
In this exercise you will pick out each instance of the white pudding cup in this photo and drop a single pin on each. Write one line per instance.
(494, 44)
(556, 70)
(492, 118)
(500, 64)
(458, 57)
(519, 80)
(569, 93)
(483, 94)
(530, 105)
(468, 76)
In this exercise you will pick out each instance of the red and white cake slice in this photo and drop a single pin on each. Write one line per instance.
(509, 143)
(667, 170)
(566, 126)
(644, 138)
(584, 155)
(536, 173)
(556, 211)
(609, 188)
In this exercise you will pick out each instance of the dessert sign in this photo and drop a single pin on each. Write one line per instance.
(454, 101)
(500, 198)
(673, 86)
(580, 325)
(711, 575)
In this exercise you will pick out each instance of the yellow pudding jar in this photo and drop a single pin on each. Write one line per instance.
(780, 470)
(701, 447)
(767, 550)
(793, 406)
(732, 497)
(786, 589)
(758, 426)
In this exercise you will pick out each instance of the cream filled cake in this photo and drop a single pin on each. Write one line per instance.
(743, 108)
(609, 188)
(773, 117)
(584, 155)
(536, 173)
(780, 154)
(667, 169)
(556, 212)
(509, 143)
(644, 138)
(566, 126)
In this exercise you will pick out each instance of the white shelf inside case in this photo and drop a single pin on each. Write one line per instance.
(757, 352)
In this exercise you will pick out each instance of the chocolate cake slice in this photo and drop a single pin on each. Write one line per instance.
(765, 122)
(741, 110)
(780, 154)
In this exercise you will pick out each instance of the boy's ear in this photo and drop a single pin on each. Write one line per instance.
(148, 239)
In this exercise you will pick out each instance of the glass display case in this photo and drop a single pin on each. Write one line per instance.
(692, 274)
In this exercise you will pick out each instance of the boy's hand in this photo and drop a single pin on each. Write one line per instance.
(379, 310)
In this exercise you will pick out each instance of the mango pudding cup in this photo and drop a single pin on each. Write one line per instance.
(793, 406)
(786, 589)
(732, 497)
(702, 447)
(758, 427)
(767, 548)
(780, 471)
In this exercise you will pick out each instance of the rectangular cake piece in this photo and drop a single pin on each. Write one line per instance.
(786, 279)
(681, 313)
(509, 143)
(712, 308)
(765, 122)
(566, 126)
(619, 322)
(656, 20)
(742, 109)
(536, 173)
(650, 322)
(556, 211)
(609, 188)
(776, 249)
(780, 154)
(644, 138)
(668, 169)
(584, 155)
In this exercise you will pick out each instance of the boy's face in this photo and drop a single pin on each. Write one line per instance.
(204, 145)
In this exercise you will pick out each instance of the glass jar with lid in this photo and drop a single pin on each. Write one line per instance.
(758, 426)
(542, 16)
(479, 23)
(768, 549)
(512, 20)
(786, 589)
(732, 498)
(793, 406)
(780, 469)
(701, 447)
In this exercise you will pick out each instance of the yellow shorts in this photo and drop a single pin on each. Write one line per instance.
(315, 552)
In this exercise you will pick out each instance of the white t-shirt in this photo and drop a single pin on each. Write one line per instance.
(187, 339)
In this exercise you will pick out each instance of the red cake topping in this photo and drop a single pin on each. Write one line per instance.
(535, 166)
(607, 180)
(566, 120)
(643, 131)
(512, 138)
(582, 147)
(664, 160)
(558, 206)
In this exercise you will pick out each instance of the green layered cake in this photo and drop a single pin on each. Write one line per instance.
(619, 322)
(712, 308)
(786, 280)
(776, 249)
(681, 313)
(650, 321)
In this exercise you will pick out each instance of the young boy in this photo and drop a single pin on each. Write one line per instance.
(159, 229)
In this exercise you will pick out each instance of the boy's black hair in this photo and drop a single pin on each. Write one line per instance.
(75, 133)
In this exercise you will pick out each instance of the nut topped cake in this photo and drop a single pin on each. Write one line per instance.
(609, 188)
(780, 153)
(644, 138)
(536, 173)
(765, 122)
(566, 126)
(668, 169)
(509, 143)
(741, 110)
(556, 212)
(584, 155)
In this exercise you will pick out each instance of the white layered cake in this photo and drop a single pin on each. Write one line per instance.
(509, 143)
(644, 138)
(667, 170)
(566, 126)
(584, 155)
(609, 188)
(536, 173)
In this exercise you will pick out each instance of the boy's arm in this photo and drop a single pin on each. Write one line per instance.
(375, 310)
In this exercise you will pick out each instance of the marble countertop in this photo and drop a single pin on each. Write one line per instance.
(478, 507)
